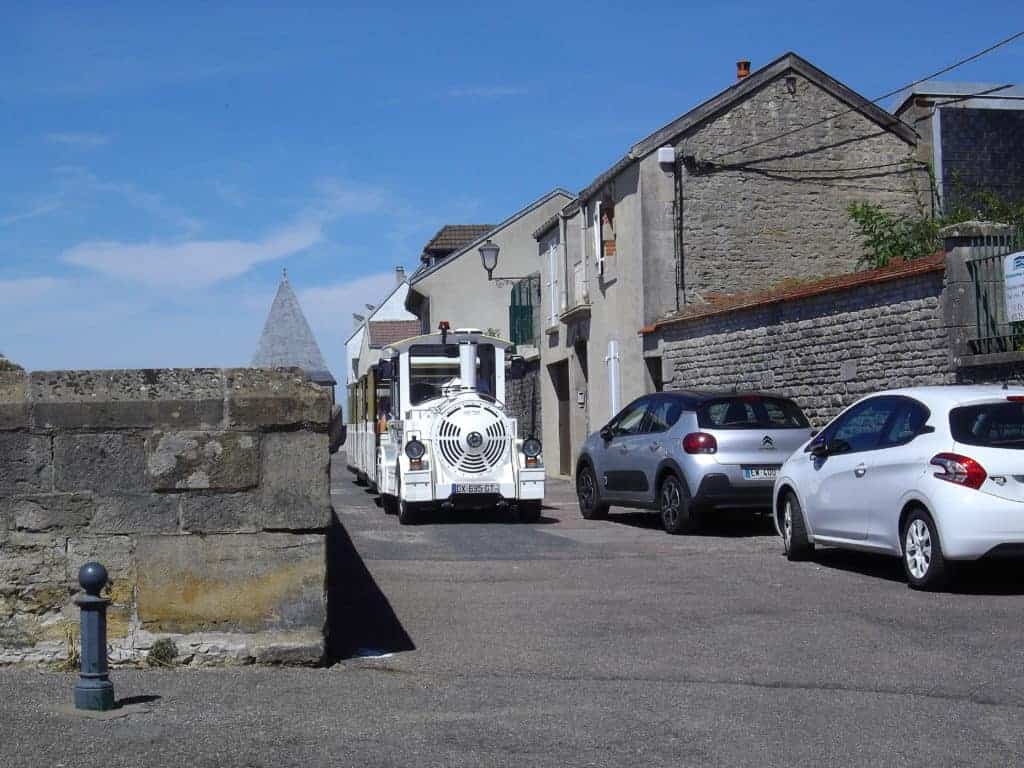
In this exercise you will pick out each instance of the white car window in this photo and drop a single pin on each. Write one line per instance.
(861, 429)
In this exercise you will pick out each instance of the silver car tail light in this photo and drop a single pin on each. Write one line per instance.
(700, 442)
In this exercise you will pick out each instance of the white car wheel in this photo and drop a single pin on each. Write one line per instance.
(923, 561)
(918, 549)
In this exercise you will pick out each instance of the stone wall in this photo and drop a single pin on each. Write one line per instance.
(205, 492)
(824, 344)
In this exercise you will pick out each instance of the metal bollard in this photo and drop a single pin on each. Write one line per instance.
(93, 689)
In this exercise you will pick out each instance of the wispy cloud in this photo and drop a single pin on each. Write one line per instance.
(40, 209)
(191, 264)
(487, 92)
(82, 139)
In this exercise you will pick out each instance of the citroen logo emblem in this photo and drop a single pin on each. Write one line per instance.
(767, 444)
(474, 439)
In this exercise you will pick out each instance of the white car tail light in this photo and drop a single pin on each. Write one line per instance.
(960, 470)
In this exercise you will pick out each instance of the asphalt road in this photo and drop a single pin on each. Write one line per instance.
(584, 643)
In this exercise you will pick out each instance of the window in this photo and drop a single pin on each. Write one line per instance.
(906, 423)
(751, 412)
(995, 425)
(631, 420)
(553, 284)
(435, 367)
(861, 429)
(604, 233)
(662, 414)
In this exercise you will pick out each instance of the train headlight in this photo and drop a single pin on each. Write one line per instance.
(531, 447)
(415, 450)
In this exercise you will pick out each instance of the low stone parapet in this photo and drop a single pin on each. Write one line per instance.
(205, 492)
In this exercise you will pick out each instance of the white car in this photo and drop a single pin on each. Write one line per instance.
(928, 474)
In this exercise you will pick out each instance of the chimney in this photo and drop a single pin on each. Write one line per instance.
(742, 69)
(399, 275)
(357, 320)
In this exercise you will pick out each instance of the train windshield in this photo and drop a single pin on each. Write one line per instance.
(434, 368)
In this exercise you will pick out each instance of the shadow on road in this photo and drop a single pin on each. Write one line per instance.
(985, 577)
(477, 517)
(359, 617)
(722, 523)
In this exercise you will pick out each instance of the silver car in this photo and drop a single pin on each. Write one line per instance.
(684, 453)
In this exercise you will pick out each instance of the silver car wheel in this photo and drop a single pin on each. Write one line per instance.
(670, 502)
(787, 524)
(917, 548)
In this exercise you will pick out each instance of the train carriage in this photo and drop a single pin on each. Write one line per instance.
(429, 428)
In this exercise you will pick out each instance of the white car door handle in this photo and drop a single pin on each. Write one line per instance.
(860, 470)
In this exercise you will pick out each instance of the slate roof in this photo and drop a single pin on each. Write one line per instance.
(288, 341)
(962, 92)
(451, 237)
(386, 332)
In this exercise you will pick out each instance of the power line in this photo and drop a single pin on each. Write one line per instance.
(944, 70)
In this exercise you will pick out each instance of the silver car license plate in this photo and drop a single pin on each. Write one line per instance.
(475, 488)
(760, 473)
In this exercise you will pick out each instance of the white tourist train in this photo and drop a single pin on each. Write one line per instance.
(428, 428)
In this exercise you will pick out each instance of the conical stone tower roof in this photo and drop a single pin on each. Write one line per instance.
(288, 340)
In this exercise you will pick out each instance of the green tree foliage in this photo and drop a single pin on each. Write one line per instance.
(888, 237)
(8, 365)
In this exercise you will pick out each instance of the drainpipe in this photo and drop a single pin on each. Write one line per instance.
(612, 361)
(563, 296)
(585, 298)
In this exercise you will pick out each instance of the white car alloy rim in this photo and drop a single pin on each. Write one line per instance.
(787, 524)
(918, 548)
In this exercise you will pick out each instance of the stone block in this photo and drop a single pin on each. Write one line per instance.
(173, 397)
(202, 460)
(231, 583)
(51, 511)
(25, 465)
(295, 481)
(135, 513)
(262, 397)
(221, 512)
(103, 463)
(14, 408)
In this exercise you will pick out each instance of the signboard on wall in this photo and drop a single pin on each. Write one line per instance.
(1013, 277)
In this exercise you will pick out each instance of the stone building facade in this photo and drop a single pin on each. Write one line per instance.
(744, 191)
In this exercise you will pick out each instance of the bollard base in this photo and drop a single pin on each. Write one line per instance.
(95, 695)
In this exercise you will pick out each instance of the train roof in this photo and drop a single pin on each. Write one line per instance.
(454, 337)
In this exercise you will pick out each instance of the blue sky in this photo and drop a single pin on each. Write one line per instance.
(161, 167)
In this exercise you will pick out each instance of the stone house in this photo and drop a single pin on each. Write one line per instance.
(972, 137)
(748, 189)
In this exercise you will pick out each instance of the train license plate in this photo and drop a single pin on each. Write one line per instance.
(760, 473)
(475, 488)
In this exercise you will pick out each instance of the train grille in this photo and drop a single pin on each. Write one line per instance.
(472, 438)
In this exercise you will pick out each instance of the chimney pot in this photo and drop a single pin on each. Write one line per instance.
(399, 275)
(742, 69)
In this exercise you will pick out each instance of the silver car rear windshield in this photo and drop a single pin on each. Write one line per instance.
(751, 412)
(993, 425)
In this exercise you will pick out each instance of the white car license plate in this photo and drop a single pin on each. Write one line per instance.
(760, 473)
(475, 488)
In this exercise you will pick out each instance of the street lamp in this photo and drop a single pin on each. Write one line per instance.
(489, 257)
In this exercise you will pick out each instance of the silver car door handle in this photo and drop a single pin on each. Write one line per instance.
(655, 446)
(860, 470)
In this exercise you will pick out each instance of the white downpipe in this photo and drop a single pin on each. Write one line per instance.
(564, 263)
(467, 364)
(614, 387)
(598, 249)
(585, 298)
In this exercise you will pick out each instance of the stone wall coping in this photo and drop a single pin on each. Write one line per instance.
(745, 301)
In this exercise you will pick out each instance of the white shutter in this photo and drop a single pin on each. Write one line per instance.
(553, 283)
